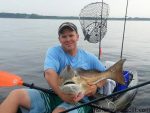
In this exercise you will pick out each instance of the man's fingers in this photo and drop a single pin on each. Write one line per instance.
(78, 97)
(101, 83)
(89, 83)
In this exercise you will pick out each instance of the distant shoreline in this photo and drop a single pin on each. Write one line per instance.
(35, 16)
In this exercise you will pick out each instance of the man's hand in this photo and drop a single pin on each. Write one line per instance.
(92, 88)
(78, 97)
(101, 83)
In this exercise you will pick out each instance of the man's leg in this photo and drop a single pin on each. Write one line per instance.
(16, 98)
(57, 110)
(64, 106)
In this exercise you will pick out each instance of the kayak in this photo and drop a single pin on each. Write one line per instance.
(120, 102)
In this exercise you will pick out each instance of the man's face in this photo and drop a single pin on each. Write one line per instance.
(68, 40)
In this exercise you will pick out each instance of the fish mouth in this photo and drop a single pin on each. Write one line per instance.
(71, 88)
(69, 82)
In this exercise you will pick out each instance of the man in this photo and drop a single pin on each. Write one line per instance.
(56, 60)
(68, 54)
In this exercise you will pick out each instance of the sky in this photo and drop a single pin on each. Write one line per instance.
(136, 8)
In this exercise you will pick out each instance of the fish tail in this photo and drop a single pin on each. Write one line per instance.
(116, 71)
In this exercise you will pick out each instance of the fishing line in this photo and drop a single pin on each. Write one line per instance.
(125, 19)
(99, 55)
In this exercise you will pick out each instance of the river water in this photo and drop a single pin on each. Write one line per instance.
(24, 42)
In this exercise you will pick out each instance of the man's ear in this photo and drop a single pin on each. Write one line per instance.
(77, 37)
(59, 38)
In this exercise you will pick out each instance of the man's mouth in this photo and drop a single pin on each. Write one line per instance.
(69, 44)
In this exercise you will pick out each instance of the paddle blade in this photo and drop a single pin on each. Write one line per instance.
(7, 79)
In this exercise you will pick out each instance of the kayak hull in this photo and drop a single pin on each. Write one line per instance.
(120, 102)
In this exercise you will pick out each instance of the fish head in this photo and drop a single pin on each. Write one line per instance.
(70, 87)
(68, 72)
(68, 81)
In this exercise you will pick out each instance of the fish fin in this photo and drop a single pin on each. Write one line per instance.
(116, 71)
(69, 67)
(86, 79)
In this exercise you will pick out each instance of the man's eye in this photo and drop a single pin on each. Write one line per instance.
(70, 35)
(63, 36)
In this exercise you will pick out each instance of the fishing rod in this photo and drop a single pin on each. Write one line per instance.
(125, 19)
(109, 96)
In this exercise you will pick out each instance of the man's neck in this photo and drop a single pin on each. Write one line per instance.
(73, 52)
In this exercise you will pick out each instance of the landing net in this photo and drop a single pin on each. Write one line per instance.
(93, 20)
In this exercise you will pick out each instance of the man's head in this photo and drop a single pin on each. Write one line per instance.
(67, 25)
(68, 36)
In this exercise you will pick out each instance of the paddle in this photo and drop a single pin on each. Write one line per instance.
(9, 80)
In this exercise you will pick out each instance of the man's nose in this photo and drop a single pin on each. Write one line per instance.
(68, 38)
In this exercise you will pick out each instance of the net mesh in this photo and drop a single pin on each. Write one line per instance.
(93, 20)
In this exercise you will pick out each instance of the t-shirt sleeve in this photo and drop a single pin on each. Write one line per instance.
(97, 64)
(51, 60)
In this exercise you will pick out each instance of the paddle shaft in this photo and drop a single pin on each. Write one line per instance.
(111, 95)
(32, 86)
